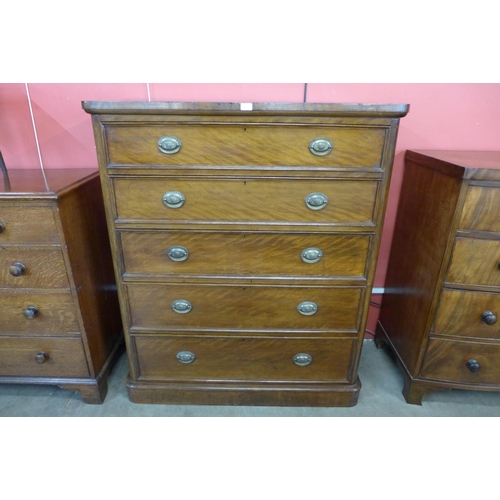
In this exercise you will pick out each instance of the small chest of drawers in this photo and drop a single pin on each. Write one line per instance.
(245, 245)
(59, 315)
(442, 301)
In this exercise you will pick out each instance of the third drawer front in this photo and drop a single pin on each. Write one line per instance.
(42, 357)
(468, 314)
(259, 254)
(37, 313)
(468, 362)
(260, 200)
(233, 358)
(249, 307)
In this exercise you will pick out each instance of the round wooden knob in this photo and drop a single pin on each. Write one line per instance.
(41, 358)
(489, 318)
(473, 365)
(31, 312)
(17, 269)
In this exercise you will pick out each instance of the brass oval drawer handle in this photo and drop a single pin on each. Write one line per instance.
(473, 366)
(17, 269)
(311, 255)
(316, 201)
(320, 146)
(489, 318)
(185, 357)
(2, 228)
(178, 253)
(31, 312)
(41, 358)
(173, 199)
(181, 306)
(307, 308)
(169, 144)
(302, 359)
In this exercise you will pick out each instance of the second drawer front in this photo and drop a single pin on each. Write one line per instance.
(42, 357)
(42, 268)
(236, 307)
(460, 313)
(481, 211)
(257, 254)
(349, 202)
(231, 358)
(448, 361)
(56, 313)
(475, 262)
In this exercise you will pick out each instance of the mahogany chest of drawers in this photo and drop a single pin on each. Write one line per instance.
(442, 298)
(59, 314)
(245, 245)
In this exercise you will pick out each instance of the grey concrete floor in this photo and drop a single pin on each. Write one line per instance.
(380, 397)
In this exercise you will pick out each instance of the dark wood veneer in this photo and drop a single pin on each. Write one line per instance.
(245, 177)
(54, 224)
(444, 273)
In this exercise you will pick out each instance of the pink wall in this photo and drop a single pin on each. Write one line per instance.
(442, 116)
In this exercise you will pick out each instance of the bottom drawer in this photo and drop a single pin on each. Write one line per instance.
(243, 358)
(455, 361)
(23, 357)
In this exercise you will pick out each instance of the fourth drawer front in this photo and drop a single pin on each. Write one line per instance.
(164, 307)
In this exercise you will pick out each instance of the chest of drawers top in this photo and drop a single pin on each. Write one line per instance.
(220, 134)
(49, 184)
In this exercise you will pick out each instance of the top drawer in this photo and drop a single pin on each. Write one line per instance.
(481, 210)
(246, 144)
(27, 225)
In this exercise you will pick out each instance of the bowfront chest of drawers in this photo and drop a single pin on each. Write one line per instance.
(59, 313)
(245, 244)
(442, 298)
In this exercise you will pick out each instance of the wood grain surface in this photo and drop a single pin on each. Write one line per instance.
(447, 360)
(45, 267)
(252, 145)
(258, 254)
(65, 357)
(475, 262)
(349, 202)
(248, 307)
(460, 313)
(256, 359)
